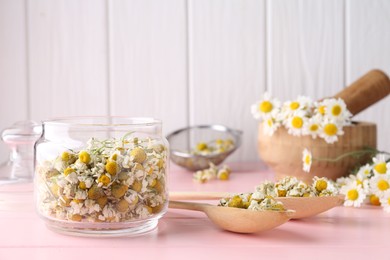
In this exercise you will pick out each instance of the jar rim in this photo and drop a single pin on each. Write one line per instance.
(102, 121)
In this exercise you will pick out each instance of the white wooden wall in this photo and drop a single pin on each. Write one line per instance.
(185, 61)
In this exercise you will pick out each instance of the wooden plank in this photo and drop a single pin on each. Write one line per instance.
(368, 41)
(227, 66)
(148, 75)
(13, 69)
(68, 58)
(306, 48)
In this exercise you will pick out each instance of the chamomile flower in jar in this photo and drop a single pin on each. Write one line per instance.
(113, 179)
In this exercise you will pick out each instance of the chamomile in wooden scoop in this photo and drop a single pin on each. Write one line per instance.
(241, 220)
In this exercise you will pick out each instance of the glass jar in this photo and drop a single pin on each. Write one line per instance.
(101, 175)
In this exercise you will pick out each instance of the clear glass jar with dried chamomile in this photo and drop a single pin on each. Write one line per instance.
(101, 175)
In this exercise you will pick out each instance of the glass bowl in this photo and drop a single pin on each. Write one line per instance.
(195, 147)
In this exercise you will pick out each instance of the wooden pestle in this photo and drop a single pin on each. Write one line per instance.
(365, 91)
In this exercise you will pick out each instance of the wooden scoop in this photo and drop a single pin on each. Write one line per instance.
(303, 206)
(235, 219)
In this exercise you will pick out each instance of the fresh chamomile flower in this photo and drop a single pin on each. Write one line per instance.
(307, 160)
(312, 126)
(295, 123)
(336, 109)
(271, 125)
(320, 108)
(266, 107)
(323, 186)
(380, 165)
(330, 130)
(365, 170)
(359, 180)
(379, 184)
(354, 194)
(385, 201)
(302, 103)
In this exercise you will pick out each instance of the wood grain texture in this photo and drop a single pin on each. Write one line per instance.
(227, 66)
(13, 67)
(68, 58)
(305, 47)
(368, 41)
(148, 69)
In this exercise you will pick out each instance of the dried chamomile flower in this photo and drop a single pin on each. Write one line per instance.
(214, 147)
(211, 173)
(248, 201)
(111, 180)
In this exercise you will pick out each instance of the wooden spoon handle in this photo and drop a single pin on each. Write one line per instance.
(187, 205)
(365, 91)
(191, 195)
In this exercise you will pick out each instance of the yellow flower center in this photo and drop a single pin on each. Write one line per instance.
(266, 106)
(359, 182)
(297, 122)
(282, 193)
(65, 156)
(383, 185)
(270, 122)
(294, 105)
(381, 168)
(336, 110)
(330, 129)
(104, 179)
(321, 185)
(68, 171)
(374, 200)
(352, 194)
(321, 110)
(313, 128)
(366, 172)
(82, 185)
(111, 167)
(201, 146)
(84, 157)
(307, 159)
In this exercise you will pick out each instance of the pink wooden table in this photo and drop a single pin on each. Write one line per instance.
(340, 233)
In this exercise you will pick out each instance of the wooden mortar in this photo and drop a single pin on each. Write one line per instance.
(282, 152)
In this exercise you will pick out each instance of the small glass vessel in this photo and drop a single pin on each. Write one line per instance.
(16, 174)
(101, 176)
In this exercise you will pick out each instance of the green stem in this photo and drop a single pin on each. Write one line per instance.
(359, 153)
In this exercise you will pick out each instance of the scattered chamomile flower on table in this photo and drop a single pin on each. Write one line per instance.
(379, 184)
(302, 116)
(354, 194)
(380, 165)
(385, 201)
(211, 173)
